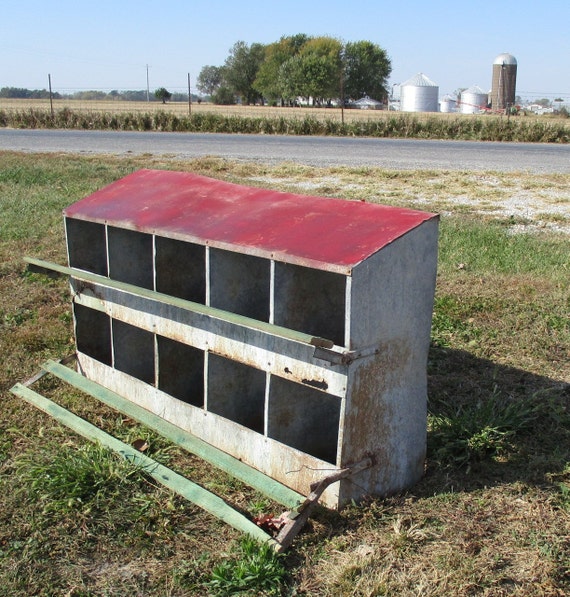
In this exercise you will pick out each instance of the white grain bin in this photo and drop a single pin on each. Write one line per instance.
(366, 103)
(473, 100)
(419, 94)
(448, 104)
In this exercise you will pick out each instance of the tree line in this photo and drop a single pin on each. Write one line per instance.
(298, 66)
(160, 94)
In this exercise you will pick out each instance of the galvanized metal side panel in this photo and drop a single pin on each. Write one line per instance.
(385, 414)
(392, 293)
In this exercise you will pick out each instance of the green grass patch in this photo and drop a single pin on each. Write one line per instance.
(464, 434)
(84, 476)
(487, 246)
(255, 569)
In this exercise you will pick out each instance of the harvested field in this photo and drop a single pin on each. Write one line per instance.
(182, 109)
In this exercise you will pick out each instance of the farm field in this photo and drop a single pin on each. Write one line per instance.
(491, 516)
(182, 109)
(205, 118)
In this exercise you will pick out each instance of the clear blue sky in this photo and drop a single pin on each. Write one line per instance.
(107, 44)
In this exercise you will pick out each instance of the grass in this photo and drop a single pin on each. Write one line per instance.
(255, 568)
(491, 515)
(76, 477)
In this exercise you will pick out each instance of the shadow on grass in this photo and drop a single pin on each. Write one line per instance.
(491, 424)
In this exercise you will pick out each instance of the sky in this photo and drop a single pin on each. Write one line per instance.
(109, 45)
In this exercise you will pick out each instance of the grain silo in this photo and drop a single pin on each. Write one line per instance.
(504, 82)
(473, 100)
(419, 94)
(448, 104)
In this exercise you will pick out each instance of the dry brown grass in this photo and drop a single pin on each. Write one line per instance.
(423, 546)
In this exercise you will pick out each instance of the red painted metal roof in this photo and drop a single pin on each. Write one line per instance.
(331, 234)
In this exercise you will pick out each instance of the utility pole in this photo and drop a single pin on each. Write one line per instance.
(342, 96)
(189, 97)
(147, 86)
(50, 96)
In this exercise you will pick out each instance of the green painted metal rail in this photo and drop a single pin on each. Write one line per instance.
(248, 322)
(174, 481)
(234, 467)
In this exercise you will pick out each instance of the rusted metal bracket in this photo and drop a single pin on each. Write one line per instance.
(346, 357)
(296, 519)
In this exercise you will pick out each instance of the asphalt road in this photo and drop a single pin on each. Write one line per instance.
(315, 151)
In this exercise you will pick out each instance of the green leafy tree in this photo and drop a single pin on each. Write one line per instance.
(162, 94)
(22, 93)
(134, 95)
(366, 70)
(210, 79)
(315, 71)
(298, 66)
(269, 80)
(240, 70)
(291, 78)
(224, 96)
(91, 95)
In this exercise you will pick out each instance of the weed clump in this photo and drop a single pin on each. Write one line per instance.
(254, 568)
(75, 478)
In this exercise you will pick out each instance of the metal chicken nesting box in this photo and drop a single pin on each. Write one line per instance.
(289, 331)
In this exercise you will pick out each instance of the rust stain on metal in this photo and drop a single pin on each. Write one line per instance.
(370, 415)
(315, 383)
(87, 288)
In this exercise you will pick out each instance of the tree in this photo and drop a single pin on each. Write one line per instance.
(366, 70)
(22, 93)
(210, 79)
(240, 70)
(269, 81)
(298, 66)
(90, 95)
(315, 71)
(134, 95)
(224, 96)
(162, 94)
